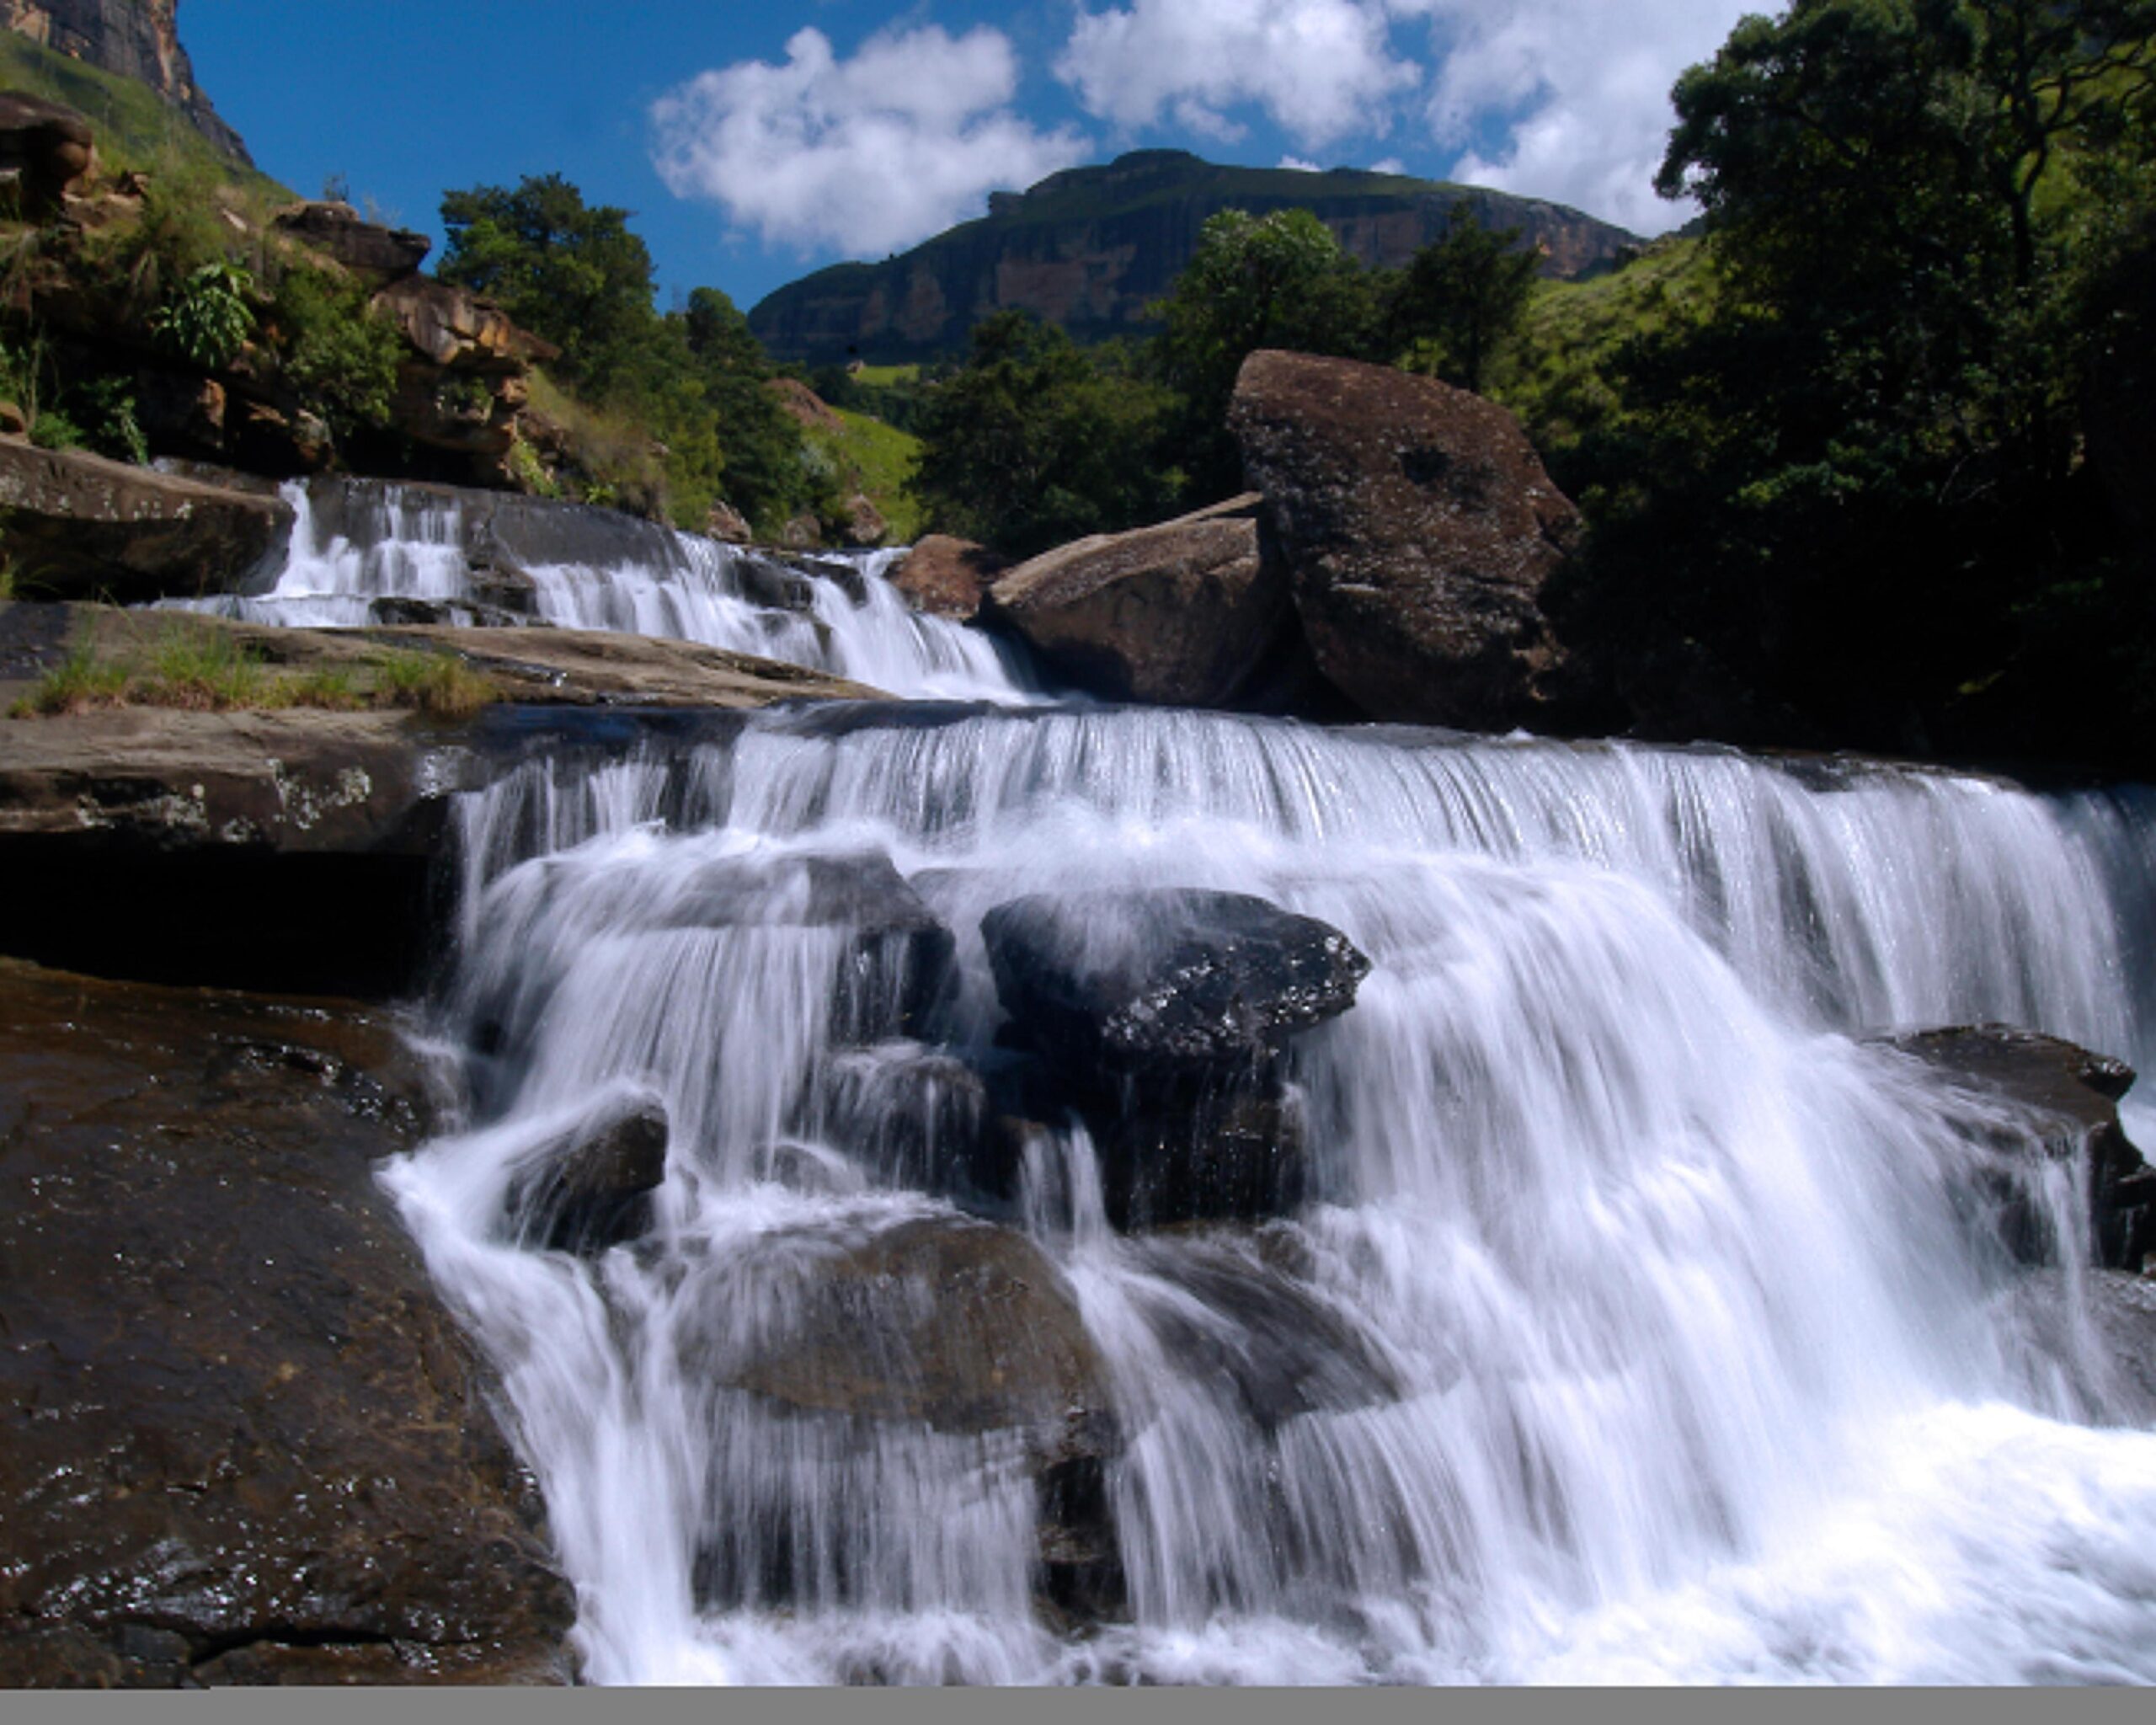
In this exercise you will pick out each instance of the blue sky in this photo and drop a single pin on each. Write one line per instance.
(756, 142)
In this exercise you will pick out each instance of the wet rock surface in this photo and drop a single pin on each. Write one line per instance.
(245, 1441)
(2041, 1097)
(1418, 528)
(1172, 981)
(591, 1188)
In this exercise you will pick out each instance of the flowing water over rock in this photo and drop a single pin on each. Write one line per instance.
(366, 551)
(1632, 1318)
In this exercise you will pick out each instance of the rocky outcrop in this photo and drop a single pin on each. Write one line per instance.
(45, 150)
(377, 254)
(1418, 528)
(947, 576)
(1092, 250)
(2040, 1098)
(136, 39)
(78, 526)
(1184, 614)
(253, 821)
(244, 1442)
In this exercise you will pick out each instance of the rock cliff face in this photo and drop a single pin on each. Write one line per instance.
(1091, 248)
(136, 39)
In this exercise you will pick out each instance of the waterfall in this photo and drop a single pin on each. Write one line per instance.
(369, 552)
(1636, 1324)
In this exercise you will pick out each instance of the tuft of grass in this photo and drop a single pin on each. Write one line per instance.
(207, 671)
(435, 683)
(79, 682)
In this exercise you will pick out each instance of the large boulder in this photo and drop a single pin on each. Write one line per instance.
(1418, 528)
(78, 526)
(45, 150)
(2041, 1098)
(244, 1441)
(591, 1187)
(1183, 614)
(1170, 981)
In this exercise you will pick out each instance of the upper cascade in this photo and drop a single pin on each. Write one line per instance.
(1091, 248)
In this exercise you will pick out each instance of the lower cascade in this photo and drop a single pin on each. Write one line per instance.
(1050, 1194)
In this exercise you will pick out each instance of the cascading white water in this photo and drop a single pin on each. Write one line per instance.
(834, 612)
(1637, 1325)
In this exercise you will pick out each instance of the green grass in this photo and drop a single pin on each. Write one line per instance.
(885, 376)
(200, 668)
(136, 127)
(880, 457)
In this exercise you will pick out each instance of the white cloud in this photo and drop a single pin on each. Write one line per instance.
(864, 155)
(1322, 69)
(1585, 86)
(1389, 164)
(1299, 165)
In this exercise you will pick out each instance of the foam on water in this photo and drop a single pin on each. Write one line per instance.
(1699, 1368)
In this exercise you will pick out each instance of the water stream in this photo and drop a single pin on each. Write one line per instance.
(1636, 1325)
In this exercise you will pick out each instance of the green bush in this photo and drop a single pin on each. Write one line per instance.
(335, 350)
(207, 318)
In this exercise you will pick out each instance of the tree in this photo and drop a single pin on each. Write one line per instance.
(1030, 444)
(1466, 294)
(1272, 282)
(569, 272)
(1842, 498)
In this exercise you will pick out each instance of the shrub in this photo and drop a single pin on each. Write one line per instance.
(207, 319)
(336, 350)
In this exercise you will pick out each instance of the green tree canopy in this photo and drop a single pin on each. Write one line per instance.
(1465, 294)
(568, 271)
(1030, 444)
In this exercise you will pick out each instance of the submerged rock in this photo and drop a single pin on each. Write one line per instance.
(2042, 1098)
(243, 1440)
(592, 1188)
(1418, 528)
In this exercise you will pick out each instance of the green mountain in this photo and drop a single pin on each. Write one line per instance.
(1091, 248)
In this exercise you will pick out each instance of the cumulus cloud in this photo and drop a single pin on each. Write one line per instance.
(1582, 89)
(1299, 166)
(867, 154)
(1321, 69)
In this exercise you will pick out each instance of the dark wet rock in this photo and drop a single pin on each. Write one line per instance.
(1165, 981)
(591, 1188)
(1234, 1154)
(2093, 1335)
(1186, 613)
(914, 1114)
(1418, 528)
(1268, 1339)
(2040, 1098)
(75, 525)
(243, 1438)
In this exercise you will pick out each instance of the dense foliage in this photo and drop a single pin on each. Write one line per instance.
(690, 381)
(1856, 500)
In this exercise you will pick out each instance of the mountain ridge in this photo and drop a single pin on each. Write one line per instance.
(1089, 248)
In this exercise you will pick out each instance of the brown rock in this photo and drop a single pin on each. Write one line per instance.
(1418, 528)
(268, 440)
(180, 410)
(376, 253)
(453, 327)
(1183, 614)
(727, 524)
(77, 524)
(947, 576)
(243, 1440)
(807, 407)
(45, 149)
(13, 421)
(804, 532)
(865, 525)
(591, 1189)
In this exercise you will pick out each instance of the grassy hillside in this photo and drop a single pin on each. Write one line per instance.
(876, 459)
(137, 128)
